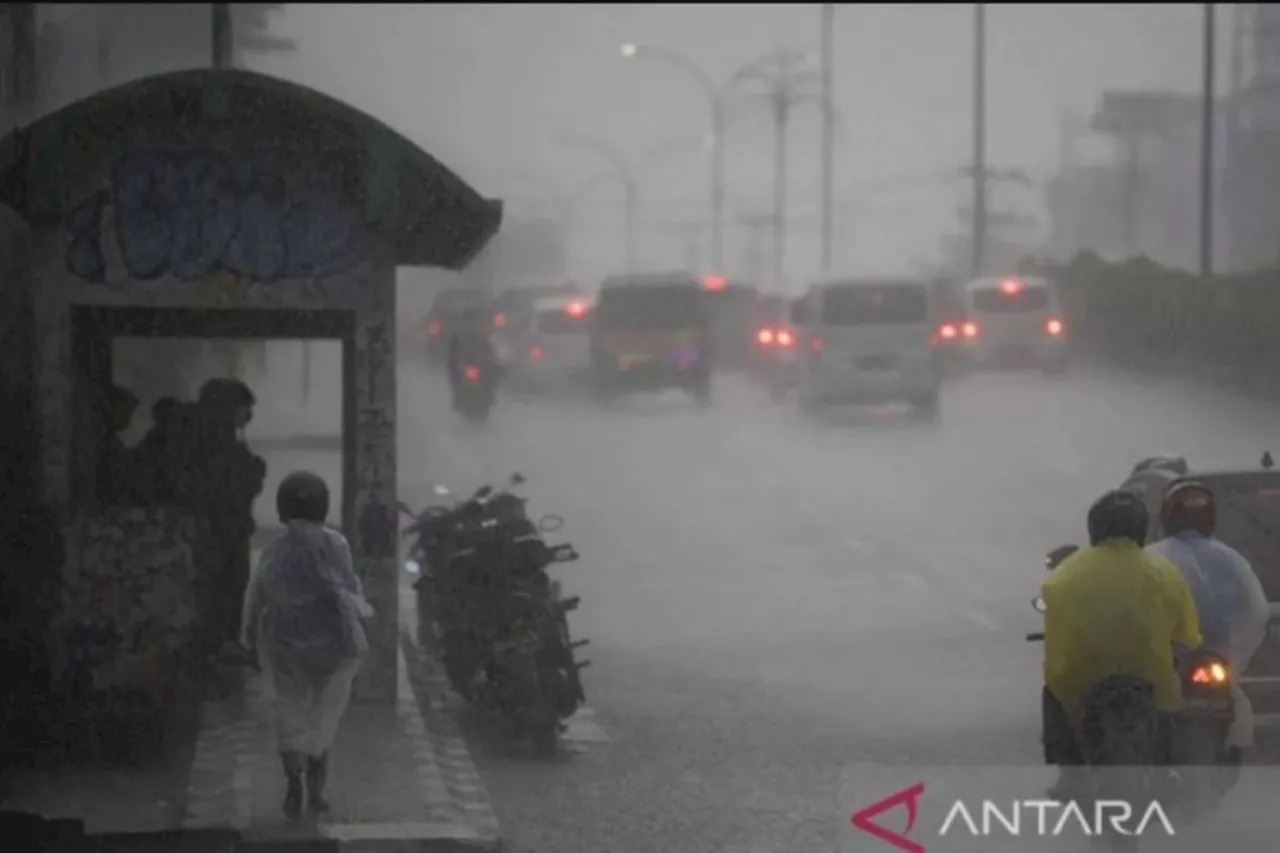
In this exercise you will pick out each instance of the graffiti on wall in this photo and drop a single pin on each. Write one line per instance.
(265, 216)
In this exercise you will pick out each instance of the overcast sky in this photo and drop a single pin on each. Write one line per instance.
(489, 89)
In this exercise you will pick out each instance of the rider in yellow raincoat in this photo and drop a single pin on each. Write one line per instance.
(1112, 609)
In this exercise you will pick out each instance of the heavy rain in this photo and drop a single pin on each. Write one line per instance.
(572, 428)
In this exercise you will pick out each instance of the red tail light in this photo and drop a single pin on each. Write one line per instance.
(969, 329)
(535, 352)
(1209, 673)
(472, 373)
(785, 339)
(764, 336)
(433, 328)
(946, 332)
(499, 321)
(1054, 327)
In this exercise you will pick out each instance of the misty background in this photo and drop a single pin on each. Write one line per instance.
(493, 90)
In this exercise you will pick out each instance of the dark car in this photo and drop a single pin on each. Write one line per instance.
(650, 333)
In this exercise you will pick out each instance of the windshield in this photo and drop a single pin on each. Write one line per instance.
(996, 301)
(863, 305)
(652, 307)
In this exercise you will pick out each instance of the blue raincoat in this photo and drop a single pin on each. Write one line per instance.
(1231, 603)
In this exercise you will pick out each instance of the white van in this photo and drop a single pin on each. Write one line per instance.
(868, 341)
(1016, 322)
(552, 347)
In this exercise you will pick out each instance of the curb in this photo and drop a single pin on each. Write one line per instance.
(453, 756)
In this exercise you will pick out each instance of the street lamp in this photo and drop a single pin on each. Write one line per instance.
(617, 160)
(716, 97)
(629, 172)
(787, 78)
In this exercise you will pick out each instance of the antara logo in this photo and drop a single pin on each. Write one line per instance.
(1014, 819)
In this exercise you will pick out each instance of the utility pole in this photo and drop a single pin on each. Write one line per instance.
(979, 137)
(1206, 146)
(221, 35)
(781, 114)
(827, 177)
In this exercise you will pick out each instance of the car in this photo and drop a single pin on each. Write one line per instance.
(774, 365)
(512, 308)
(1016, 322)
(731, 307)
(651, 332)
(868, 340)
(1248, 505)
(551, 348)
(445, 309)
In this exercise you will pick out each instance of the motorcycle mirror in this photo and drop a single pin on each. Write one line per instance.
(1038, 604)
(550, 523)
(1055, 557)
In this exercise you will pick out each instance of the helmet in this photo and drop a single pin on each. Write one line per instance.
(1189, 505)
(1119, 514)
(302, 496)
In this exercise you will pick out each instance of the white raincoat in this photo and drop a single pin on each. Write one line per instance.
(303, 613)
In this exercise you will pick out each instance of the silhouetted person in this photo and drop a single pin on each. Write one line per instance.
(227, 478)
(164, 456)
(117, 478)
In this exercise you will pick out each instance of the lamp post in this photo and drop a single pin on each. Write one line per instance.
(617, 160)
(716, 98)
(787, 78)
(629, 172)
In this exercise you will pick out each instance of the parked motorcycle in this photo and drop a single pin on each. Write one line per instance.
(486, 603)
(1119, 735)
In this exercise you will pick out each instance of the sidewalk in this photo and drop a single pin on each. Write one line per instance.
(396, 781)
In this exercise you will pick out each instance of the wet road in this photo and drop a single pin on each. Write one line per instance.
(772, 600)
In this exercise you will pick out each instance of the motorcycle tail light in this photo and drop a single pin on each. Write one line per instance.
(1209, 674)
(535, 352)
(472, 373)
(1054, 327)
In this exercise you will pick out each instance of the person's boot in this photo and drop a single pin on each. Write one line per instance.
(317, 777)
(294, 792)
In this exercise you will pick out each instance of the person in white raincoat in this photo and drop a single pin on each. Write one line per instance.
(303, 615)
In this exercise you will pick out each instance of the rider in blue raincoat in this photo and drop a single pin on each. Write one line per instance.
(1229, 598)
